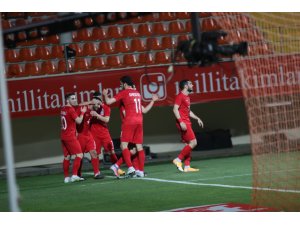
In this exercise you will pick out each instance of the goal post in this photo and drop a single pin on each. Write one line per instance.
(270, 82)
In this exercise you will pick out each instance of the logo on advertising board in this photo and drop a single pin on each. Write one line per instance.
(153, 83)
(225, 207)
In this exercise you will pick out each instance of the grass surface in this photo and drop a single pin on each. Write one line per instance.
(50, 194)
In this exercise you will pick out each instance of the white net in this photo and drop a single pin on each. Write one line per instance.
(270, 80)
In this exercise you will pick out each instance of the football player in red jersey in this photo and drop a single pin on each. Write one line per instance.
(86, 139)
(132, 124)
(183, 113)
(131, 146)
(70, 144)
(134, 159)
(99, 127)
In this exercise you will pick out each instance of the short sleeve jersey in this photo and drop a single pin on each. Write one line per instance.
(183, 101)
(68, 124)
(97, 126)
(131, 99)
(84, 127)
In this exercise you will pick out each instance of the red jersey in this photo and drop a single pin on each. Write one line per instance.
(68, 124)
(84, 127)
(122, 110)
(183, 101)
(99, 127)
(131, 99)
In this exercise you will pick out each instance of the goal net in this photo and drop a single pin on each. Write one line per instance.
(270, 82)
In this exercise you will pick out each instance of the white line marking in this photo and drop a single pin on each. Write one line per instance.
(216, 185)
(220, 185)
(214, 178)
(241, 175)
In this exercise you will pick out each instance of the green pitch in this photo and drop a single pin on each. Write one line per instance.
(164, 188)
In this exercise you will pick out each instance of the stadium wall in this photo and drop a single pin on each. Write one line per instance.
(38, 137)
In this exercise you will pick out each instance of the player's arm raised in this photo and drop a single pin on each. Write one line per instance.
(149, 106)
(79, 119)
(108, 100)
(177, 115)
(192, 115)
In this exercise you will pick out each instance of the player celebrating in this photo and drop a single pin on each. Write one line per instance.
(183, 113)
(99, 127)
(70, 144)
(131, 146)
(86, 139)
(132, 125)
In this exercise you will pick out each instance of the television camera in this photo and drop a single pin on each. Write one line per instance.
(207, 51)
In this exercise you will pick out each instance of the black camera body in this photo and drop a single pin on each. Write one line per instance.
(207, 51)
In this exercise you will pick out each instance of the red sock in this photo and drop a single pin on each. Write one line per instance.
(141, 157)
(76, 165)
(95, 164)
(184, 152)
(187, 160)
(120, 161)
(126, 156)
(135, 162)
(66, 166)
(113, 158)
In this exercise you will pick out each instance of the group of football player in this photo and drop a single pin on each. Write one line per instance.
(84, 129)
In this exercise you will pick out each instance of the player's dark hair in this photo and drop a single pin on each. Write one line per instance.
(97, 94)
(68, 95)
(98, 98)
(182, 84)
(127, 80)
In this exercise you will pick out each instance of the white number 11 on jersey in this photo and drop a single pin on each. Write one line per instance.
(137, 102)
